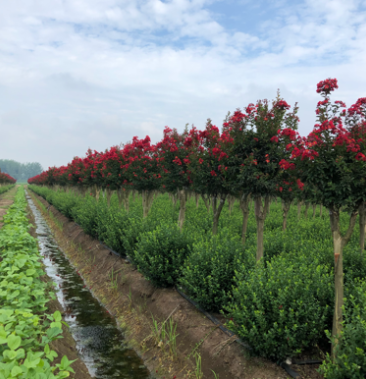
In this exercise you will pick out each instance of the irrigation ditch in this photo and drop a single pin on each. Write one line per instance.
(136, 317)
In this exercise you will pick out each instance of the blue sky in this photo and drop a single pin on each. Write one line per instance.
(76, 74)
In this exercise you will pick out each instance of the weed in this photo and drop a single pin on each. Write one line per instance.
(198, 370)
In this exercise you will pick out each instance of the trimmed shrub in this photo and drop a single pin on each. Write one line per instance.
(283, 307)
(350, 361)
(160, 254)
(208, 273)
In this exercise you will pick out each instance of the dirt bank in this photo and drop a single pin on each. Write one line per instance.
(133, 301)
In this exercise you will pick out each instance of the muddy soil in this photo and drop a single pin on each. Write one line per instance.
(134, 301)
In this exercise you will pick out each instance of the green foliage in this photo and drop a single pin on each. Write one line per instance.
(209, 270)
(297, 270)
(350, 362)
(160, 254)
(25, 330)
(4, 189)
(283, 307)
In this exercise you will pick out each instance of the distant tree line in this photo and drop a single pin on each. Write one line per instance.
(20, 171)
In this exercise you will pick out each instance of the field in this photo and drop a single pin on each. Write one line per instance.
(282, 306)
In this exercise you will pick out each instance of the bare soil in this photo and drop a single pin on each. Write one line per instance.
(135, 301)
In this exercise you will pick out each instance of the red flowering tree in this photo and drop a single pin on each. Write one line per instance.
(208, 164)
(356, 125)
(259, 149)
(142, 169)
(6, 179)
(174, 153)
(331, 161)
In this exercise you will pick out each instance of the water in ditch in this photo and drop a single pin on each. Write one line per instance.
(100, 343)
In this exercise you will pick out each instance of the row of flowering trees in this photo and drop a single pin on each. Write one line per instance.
(6, 178)
(258, 154)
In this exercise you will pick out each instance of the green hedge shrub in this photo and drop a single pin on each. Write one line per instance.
(208, 273)
(350, 362)
(283, 307)
(160, 254)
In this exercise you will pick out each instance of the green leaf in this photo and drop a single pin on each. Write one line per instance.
(30, 272)
(14, 341)
(16, 371)
(57, 316)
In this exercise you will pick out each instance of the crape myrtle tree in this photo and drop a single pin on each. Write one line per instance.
(331, 161)
(209, 167)
(143, 170)
(6, 179)
(260, 149)
(174, 152)
(356, 125)
(290, 188)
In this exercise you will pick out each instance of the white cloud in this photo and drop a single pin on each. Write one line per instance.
(79, 74)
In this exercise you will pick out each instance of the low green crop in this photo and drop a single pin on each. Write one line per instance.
(26, 331)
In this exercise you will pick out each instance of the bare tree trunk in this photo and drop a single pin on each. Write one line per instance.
(338, 244)
(133, 195)
(217, 211)
(206, 200)
(314, 210)
(109, 195)
(97, 193)
(197, 197)
(260, 216)
(231, 202)
(321, 210)
(307, 205)
(362, 224)
(147, 200)
(285, 207)
(244, 206)
(182, 207)
(299, 205)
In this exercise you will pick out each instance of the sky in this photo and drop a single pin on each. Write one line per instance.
(79, 74)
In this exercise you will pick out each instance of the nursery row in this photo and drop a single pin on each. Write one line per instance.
(6, 179)
(6, 188)
(26, 330)
(281, 305)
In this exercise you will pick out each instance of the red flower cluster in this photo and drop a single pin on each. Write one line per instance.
(326, 86)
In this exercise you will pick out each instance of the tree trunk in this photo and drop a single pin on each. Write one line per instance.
(362, 224)
(321, 210)
(147, 200)
(206, 200)
(231, 201)
(285, 207)
(338, 244)
(133, 195)
(299, 205)
(307, 205)
(109, 195)
(97, 193)
(314, 210)
(182, 207)
(197, 197)
(216, 212)
(260, 216)
(244, 206)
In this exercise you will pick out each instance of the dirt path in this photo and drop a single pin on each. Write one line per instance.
(6, 200)
(134, 301)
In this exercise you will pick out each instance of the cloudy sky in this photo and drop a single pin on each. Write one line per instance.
(94, 73)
